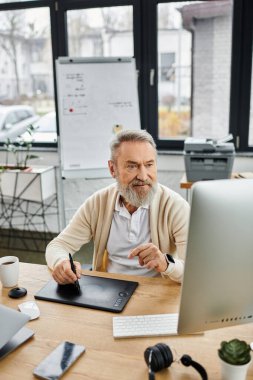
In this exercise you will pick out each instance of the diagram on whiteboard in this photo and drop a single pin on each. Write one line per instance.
(96, 100)
(74, 101)
(74, 105)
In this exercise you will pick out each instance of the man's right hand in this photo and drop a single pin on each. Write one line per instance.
(63, 274)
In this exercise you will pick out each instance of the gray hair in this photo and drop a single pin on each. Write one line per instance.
(132, 136)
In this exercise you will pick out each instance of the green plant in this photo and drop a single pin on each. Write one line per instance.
(20, 149)
(235, 352)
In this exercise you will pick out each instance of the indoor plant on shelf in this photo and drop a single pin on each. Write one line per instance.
(235, 359)
(20, 150)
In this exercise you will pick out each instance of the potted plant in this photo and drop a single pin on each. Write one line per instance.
(235, 359)
(20, 150)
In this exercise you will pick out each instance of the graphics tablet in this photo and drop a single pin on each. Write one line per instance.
(96, 292)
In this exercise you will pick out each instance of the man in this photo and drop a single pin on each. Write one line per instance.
(138, 226)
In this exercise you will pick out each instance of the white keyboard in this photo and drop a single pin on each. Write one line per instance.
(145, 325)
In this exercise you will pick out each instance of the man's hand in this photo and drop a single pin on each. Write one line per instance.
(150, 257)
(63, 274)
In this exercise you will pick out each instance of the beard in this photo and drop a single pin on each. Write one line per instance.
(140, 197)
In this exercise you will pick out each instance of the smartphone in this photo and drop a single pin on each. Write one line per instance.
(58, 361)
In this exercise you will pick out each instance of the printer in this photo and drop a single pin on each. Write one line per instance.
(207, 159)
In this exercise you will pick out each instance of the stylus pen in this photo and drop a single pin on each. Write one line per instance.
(73, 268)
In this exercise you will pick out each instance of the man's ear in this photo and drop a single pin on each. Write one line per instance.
(111, 167)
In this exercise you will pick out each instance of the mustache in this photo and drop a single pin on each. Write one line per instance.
(138, 182)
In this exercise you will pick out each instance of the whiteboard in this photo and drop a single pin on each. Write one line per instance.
(96, 99)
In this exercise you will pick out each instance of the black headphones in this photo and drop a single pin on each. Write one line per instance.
(160, 356)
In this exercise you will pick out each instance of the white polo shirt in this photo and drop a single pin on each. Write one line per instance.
(127, 232)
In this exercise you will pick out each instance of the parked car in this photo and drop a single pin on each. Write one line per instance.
(45, 130)
(14, 121)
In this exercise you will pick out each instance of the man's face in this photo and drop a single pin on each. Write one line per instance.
(135, 171)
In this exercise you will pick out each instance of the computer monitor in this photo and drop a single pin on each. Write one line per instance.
(217, 289)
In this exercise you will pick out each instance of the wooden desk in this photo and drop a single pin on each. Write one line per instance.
(185, 184)
(106, 358)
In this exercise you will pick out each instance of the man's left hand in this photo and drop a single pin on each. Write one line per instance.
(150, 257)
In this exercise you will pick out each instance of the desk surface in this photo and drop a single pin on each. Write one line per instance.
(106, 358)
(184, 184)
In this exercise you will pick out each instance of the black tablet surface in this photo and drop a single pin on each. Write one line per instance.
(96, 293)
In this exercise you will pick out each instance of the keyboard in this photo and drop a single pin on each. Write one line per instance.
(145, 325)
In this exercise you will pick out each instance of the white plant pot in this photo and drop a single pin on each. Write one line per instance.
(234, 372)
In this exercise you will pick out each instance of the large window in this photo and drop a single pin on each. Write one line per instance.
(26, 71)
(194, 62)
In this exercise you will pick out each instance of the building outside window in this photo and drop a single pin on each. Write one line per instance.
(101, 32)
(167, 67)
(26, 72)
(199, 34)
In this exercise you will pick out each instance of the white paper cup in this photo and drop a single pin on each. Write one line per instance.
(9, 271)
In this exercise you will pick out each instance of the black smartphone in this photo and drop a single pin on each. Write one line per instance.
(58, 361)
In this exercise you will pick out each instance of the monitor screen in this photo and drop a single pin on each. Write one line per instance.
(217, 289)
